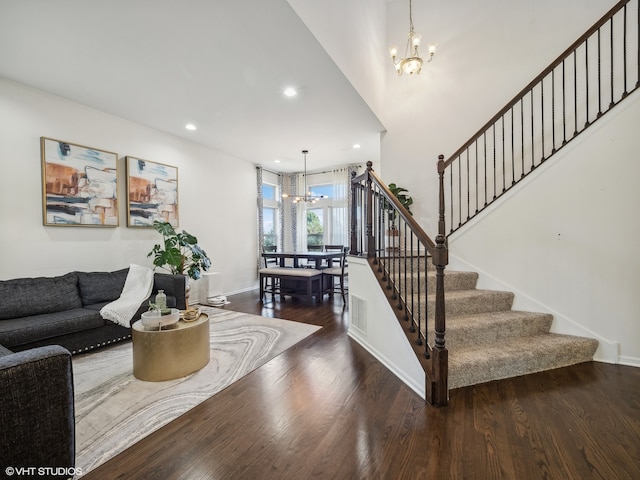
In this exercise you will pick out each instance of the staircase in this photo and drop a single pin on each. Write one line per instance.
(486, 339)
(460, 334)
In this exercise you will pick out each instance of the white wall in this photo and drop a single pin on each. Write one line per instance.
(352, 33)
(379, 331)
(564, 246)
(486, 53)
(565, 240)
(217, 194)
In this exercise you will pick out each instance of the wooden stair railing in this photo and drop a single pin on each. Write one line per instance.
(587, 80)
(398, 249)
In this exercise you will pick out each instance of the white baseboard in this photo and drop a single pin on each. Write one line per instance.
(398, 372)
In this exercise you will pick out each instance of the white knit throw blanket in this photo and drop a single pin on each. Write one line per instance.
(137, 288)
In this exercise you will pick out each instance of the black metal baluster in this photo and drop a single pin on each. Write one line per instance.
(624, 49)
(504, 165)
(412, 328)
(575, 93)
(532, 134)
(612, 102)
(403, 258)
(468, 188)
(392, 261)
(378, 214)
(411, 276)
(459, 192)
(564, 104)
(418, 339)
(477, 176)
(599, 76)
(522, 134)
(493, 128)
(553, 111)
(451, 193)
(586, 68)
(542, 117)
(638, 49)
(513, 154)
(362, 217)
(384, 265)
(484, 141)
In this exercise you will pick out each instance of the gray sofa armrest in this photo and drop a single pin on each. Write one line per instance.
(37, 419)
(173, 285)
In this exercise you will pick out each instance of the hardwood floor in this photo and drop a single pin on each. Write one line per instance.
(327, 409)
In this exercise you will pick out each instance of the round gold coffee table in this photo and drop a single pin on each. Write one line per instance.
(170, 353)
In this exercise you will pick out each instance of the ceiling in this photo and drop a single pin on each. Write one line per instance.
(221, 65)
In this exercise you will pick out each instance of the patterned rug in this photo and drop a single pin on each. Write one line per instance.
(114, 410)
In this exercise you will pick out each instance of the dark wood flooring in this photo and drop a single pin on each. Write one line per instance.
(326, 409)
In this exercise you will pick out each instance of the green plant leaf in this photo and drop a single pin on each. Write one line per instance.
(179, 253)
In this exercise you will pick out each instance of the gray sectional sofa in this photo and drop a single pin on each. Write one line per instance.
(65, 310)
(42, 322)
(37, 423)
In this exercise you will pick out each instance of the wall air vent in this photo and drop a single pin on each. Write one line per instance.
(358, 316)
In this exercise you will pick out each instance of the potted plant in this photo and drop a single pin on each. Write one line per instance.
(402, 195)
(179, 253)
(406, 201)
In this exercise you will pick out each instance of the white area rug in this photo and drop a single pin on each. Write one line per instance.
(114, 410)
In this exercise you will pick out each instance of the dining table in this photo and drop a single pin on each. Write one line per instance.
(315, 256)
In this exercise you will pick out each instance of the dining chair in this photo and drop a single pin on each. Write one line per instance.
(332, 248)
(339, 274)
(268, 263)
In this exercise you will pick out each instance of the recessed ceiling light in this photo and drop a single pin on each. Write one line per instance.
(190, 126)
(290, 92)
(276, 161)
(356, 145)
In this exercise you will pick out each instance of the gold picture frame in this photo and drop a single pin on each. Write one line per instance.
(152, 193)
(79, 185)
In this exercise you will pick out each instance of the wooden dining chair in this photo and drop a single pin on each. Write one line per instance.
(332, 248)
(338, 274)
(268, 263)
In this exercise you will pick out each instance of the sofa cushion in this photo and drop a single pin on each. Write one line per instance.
(101, 287)
(18, 331)
(22, 297)
(4, 351)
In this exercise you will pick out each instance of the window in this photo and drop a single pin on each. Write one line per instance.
(315, 229)
(270, 218)
(326, 189)
(327, 223)
(270, 228)
(268, 192)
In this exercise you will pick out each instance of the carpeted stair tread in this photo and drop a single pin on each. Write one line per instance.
(486, 339)
(470, 302)
(518, 356)
(452, 280)
(492, 327)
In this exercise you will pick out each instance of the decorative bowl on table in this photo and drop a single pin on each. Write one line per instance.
(154, 319)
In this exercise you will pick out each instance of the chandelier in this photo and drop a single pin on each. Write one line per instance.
(412, 61)
(308, 195)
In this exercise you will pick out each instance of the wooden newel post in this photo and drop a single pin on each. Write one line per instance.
(437, 384)
(354, 217)
(371, 239)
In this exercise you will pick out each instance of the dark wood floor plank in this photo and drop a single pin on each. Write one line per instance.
(327, 409)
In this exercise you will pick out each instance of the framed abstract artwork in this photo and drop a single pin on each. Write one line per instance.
(152, 193)
(79, 185)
